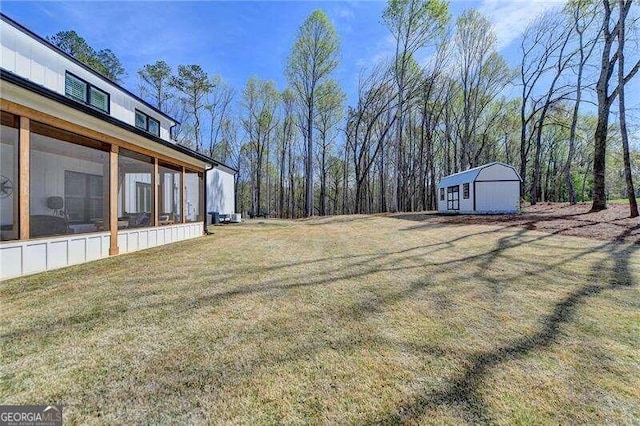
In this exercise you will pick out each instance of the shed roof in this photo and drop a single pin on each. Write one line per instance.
(470, 175)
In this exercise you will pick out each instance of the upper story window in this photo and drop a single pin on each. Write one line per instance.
(79, 90)
(148, 124)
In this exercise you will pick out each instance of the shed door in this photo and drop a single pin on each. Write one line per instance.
(453, 197)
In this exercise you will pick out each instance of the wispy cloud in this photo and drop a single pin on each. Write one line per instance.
(384, 49)
(345, 13)
(511, 17)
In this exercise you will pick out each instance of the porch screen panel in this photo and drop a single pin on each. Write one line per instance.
(193, 194)
(9, 228)
(169, 194)
(68, 185)
(135, 194)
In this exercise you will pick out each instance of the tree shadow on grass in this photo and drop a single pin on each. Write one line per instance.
(359, 267)
(465, 393)
(583, 224)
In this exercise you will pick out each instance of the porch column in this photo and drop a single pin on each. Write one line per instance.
(113, 200)
(154, 185)
(183, 185)
(23, 176)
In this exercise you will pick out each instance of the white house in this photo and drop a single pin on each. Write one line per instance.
(221, 186)
(87, 168)
(492, 188)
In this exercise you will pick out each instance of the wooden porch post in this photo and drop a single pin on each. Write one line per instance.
(154, 183)
(183, 185)
(23, 176)
(113, 200)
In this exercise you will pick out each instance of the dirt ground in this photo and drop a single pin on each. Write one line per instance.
(612, 224)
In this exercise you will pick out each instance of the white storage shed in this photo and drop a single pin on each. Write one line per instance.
(492, 188)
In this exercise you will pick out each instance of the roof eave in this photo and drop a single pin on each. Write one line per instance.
(56, 49)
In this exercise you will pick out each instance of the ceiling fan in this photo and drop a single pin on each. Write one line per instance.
(6, 187)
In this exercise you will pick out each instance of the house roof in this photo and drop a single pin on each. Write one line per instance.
(470, 175)
(8, 76)
(59, 51)
(43, 91)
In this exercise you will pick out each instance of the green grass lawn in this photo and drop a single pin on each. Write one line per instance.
(361, 319)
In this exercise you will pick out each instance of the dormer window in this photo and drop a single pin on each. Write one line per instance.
(81, 91)
(148, 124)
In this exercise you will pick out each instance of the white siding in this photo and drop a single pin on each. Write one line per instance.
(466, 205)
(30, 59)
(497, 197)
(220, 188)
(44, 254)
(48, 174)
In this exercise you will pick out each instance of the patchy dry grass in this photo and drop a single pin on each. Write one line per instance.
(358, 319)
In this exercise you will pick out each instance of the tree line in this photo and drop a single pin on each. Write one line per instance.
(445, 102)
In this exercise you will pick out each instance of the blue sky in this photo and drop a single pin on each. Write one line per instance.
(240, 39)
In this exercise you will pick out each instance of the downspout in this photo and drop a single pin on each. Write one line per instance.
(171, 132)
(235, 193)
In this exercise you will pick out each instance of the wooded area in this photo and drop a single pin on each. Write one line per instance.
(441, 105)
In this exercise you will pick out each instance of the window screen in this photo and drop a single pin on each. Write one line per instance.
(75, 87)
(441, 194)
(9, 177)
(83, 197)
(465, 190)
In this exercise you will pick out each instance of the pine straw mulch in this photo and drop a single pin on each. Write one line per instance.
(612, 224)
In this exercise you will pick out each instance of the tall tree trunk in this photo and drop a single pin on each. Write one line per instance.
(292, 191)
(281, 181)
(523, 157)
(535, 184)
(572, 144)
(599, 156)
(345, 179)
(323, 178)
(308, 205)
(397, 193)
(604, 106)
(631, 193)
(259, 189)
(382, 189)
(576, 109)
